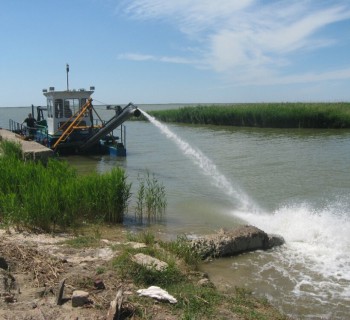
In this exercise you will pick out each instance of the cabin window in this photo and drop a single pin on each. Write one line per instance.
(49, 108)
(71, 106)
(58, 108)
(82, 102)
(67, 110)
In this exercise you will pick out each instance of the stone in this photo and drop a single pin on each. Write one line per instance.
(136, 245)
(149, 262)
(99, 284)
(59, 299)
(275, 240)
(3, 263)
(79, 298)
(235, 241)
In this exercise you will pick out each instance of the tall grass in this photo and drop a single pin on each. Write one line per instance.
(111, 193)
(42, 197)
(182, 248)
(142, 275)
(151, 199)
(268, 115)
(10, 149)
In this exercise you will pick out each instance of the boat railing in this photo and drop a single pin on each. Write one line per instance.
(16, 127)
(24, 130)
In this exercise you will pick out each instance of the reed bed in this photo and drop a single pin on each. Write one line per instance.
(151, 199)
(42, 197)
(265, 115)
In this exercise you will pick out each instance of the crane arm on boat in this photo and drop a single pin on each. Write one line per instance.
(76, 119)
(117, 120)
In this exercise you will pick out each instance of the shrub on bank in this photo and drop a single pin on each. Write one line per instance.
(266, 115)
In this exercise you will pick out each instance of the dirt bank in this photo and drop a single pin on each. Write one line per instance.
(37, 263)
(32, 266)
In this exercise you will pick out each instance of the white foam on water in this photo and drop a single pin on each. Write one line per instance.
(207, 167)
(317, 250)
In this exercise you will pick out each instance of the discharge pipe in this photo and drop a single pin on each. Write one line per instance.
(116, 121)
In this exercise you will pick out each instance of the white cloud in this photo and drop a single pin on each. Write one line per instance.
(144, 57)
(199, 11)
(282, 37)
(135, 57)
(247, 40)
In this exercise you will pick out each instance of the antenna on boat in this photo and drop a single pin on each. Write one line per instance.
(67, 69)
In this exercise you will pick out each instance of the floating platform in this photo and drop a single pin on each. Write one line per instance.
(31, 149)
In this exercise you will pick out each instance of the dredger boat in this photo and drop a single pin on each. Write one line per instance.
(69, 124)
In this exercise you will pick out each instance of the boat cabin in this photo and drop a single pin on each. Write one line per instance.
(63, 105)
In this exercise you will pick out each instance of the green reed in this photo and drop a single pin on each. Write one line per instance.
(10, 149)
(151, 199)
(34, 195)
(111, 195)
(268, 115)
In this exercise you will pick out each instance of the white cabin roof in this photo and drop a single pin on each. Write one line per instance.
(68, 94)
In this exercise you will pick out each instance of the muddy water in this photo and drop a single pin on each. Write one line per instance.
(297, 183)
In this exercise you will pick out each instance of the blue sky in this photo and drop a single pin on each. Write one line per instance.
(167, 51)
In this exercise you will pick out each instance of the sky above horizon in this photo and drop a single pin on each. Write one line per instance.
(183, 51)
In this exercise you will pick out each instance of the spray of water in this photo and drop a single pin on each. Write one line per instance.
(316, 256)
(207, 167)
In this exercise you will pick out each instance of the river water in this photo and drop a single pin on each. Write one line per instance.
(291, 182)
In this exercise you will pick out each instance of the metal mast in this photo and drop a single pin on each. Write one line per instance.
(67, 69)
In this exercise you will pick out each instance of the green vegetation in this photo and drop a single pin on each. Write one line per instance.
(195, 301)
(190, 302)
(83, 242)
(151, 200)
(10, 149)
(146, 237)
(41, 196)
(38, 196)
(265, 115)
(142, 275)
(182, 250)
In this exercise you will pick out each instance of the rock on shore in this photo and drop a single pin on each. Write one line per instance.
(227, 243)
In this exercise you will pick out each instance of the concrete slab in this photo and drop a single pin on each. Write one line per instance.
(31, 149)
